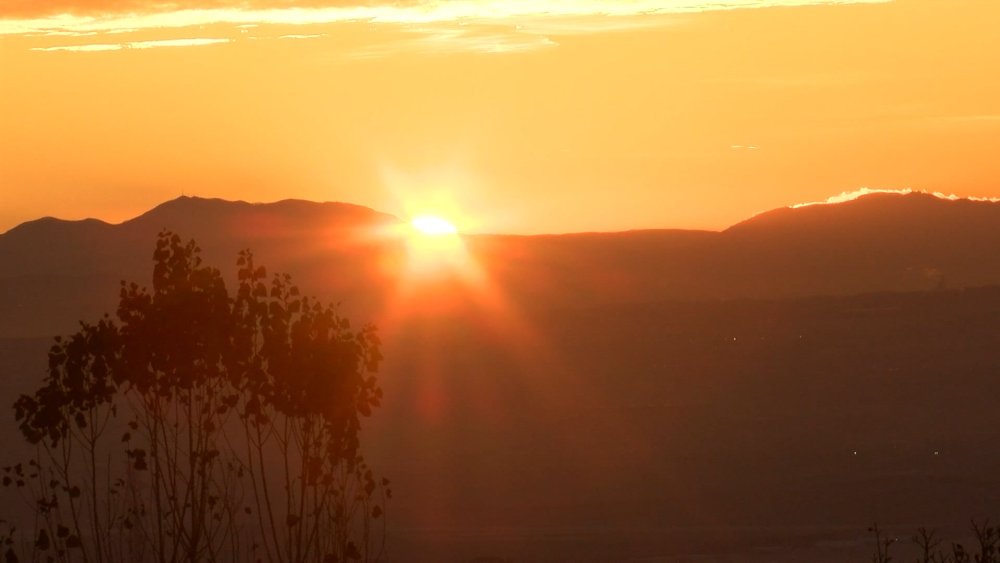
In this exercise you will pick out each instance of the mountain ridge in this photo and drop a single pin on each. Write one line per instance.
(896, 203)
(187, 203)
(876, 242)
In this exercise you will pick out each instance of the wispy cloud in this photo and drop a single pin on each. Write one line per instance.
(106, 16)
(62, 33)
(472, 39)
(469, 25)
(408, 10)
(155, 44)
(82, 48)
(302, 36)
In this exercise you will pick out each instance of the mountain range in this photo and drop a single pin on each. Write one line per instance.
(54, 272)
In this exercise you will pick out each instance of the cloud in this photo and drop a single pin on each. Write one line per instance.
(82, 48)
(155, 44)
(470, 39)
(436, 25)
(861, 192)
(302, 36)
(566, 16)
(100, 8)
(21, 9)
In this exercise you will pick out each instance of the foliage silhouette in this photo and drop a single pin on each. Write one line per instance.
(928, 543)
(204, 426)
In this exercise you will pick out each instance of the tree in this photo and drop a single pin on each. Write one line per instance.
(203, 426)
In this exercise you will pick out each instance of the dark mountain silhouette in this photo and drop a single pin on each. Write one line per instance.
(56, 272)
(882, 241)
(56, 247)
(758, 394)
(879, 242)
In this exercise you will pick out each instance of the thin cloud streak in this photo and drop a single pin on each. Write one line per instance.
(302, 36)
(154, 44)
(452, 40)
(429, 26)
(496, 11)
(82, 48)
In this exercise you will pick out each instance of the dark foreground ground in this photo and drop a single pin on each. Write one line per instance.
(742, 431)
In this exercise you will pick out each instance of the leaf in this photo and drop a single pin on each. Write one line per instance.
(351, 552)
(43, 542)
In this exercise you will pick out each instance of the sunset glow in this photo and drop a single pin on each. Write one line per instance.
(556, 116)
(585, 280)
(432, 226)
(434, 253)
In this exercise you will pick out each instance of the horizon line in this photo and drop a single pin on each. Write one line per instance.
(843, 197)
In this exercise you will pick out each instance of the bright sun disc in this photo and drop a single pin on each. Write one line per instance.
(433, 226)
(434, 248)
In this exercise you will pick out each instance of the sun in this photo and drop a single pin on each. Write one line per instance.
(434, 247)
(433, 226)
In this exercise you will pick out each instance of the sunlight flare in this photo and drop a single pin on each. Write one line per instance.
(434, 249)
(433, 226)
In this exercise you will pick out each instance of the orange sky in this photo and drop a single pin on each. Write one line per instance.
(517, 116)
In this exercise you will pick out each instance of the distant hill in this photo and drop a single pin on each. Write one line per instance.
(881, 241)
(52, 246)
(55, 272)
(878, 242)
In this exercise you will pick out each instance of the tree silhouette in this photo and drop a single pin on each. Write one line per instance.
(203, 426)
